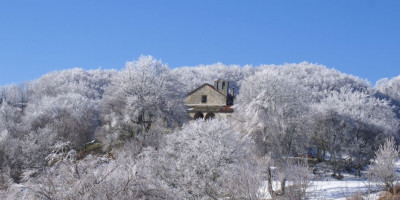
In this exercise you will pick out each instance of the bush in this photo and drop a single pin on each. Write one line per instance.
(391, 196)
(94, 148)
(5, 179)
(356, 196)
(383, 170)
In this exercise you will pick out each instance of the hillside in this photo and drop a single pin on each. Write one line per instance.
(125, 134)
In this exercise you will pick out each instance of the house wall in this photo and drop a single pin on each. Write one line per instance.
(213, 97)
(217, 115)
(218, 86)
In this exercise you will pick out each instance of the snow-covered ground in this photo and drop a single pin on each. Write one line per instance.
(330, 188)
(335, 189)
(323, 187)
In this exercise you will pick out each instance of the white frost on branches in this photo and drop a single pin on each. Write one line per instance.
(383, 169)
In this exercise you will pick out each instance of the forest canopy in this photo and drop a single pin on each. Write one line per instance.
(125, 133)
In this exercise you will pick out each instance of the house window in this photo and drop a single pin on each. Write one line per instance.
(223, 85)
(204, 99)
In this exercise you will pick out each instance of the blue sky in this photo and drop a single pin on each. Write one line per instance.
(356, 37)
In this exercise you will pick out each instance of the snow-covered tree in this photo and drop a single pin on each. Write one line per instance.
(67, 104)
(141, 96)
(131, 175)
(13, 101)
(274, 110)
(390, 88)
(208, 159)
(281, 172)
(292, 107)
(193, 77)
(318, 79)
(152, 153)
(383, 169)
(58, 106)
(349, 124)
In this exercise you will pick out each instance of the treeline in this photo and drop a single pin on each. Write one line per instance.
(148, 148)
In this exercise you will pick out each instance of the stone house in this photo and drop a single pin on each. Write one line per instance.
(209, 101)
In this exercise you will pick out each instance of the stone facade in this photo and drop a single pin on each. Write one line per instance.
(209, 101)
(214, 97)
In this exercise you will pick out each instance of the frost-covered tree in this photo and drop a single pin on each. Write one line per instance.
(141, 97)
(13, 101)
(286, 109)
(279, 173)
(294, 107)
(66, 103)
(349, 124)
(11, 134)
(390, 88)
(193, 77)
(208, 159)
(274, 111)
(88, 83)
(16, 95)
(274, 103)
(58, 106)
(131, 175)
(318, 79)
(383, 169)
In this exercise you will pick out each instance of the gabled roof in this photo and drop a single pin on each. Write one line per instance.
(206, 84)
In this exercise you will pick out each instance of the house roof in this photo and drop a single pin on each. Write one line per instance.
(204, 108)
(224, 109)
(227, 108)
(206, 84)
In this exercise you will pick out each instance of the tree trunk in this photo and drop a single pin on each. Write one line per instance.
(271, 191)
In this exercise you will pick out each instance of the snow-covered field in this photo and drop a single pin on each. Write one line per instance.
(335, 189)
(323, 187)
(329, 188)
(349, 186)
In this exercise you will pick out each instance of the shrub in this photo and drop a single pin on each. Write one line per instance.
(356, 196)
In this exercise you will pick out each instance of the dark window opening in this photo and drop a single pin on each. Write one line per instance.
(223, 85)
(198, 115)
(210, 116)
(204, 99)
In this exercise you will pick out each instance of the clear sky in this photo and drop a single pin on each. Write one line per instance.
(356, 37)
